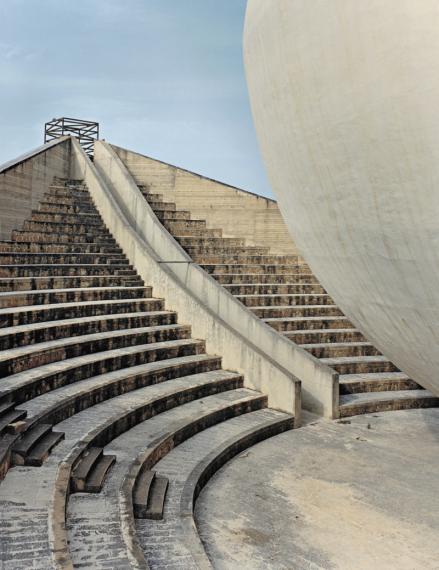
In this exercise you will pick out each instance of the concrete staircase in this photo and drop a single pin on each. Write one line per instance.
(281, 290)
(100, 384)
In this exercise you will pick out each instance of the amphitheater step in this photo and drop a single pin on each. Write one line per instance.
(285, 299)
(60, 269)
(291, 311)
(375, 382)
(243, 260)
(19, 258)
(360, 364)
(319, 336)
(372, 402)
(74, 294)
(165, 215)
(326, 322)
(255, 269)
(38, 332)
(148, 441)
(29, 384)
(155, 504)
(26, 357)
(211, 241)
(35, 445)
(91, 220)
(263, 278)
(60, 236)
(67, 282)
(174, 540)
(10, 417)
(239, 289)
(224, 249)
(48, 247)
(341, 349)
(28, 314)
(90, 473)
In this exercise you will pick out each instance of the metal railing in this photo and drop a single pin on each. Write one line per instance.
(85, 131)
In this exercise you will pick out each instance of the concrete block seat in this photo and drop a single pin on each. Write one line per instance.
(87, 357)
(281, 290)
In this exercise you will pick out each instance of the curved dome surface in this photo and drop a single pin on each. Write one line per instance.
(345, 98)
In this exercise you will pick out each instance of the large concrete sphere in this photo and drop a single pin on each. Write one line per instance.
(345, 97)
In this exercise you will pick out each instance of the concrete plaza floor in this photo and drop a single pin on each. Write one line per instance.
(355, 494)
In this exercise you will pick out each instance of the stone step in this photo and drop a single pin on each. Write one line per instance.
(96, 230)
(156, 501)
(67, 208)
(59, 191)
(29, 384)
(274, 288)
(152, 197)
(203, 240)
(9, 284)
(165, 215)
(375, 382)
(248, 269)
(262, 278)
(373, 402)
(226, 250)
(318, 336)
(360, 364)
(26, 357)
(83, 468)
(92, 469)
(61, 269)
(10, 416)
(47, 247)
(26, 258)
(61, 404)
(285, 299)
(341, 349)
(248, 260)
(41, 451)
(308, 323)
(162, 206)
(69, 199)
(174, 540)
(75, 294)
(190, 228)
(23, 335)
(36, 313)
(290, 311)
(83, 218)
(40, 236)
(34, 446)
(141, 493)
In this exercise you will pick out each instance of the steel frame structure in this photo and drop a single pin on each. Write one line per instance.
(85, 131)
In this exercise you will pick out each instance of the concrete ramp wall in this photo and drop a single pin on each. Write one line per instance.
(24, 180)
(239, 213)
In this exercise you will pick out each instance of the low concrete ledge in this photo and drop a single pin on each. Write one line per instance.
(270, 362)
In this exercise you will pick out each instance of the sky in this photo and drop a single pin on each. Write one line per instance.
(162, 77)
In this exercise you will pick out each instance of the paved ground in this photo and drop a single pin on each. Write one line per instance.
(351, 496)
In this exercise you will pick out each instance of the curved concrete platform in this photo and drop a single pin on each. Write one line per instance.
(361, 493)
(344, 97)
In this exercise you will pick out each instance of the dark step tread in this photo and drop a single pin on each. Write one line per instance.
(84, 468)
(41, 451)
(96, 479)
(31, 438)
(156, 499)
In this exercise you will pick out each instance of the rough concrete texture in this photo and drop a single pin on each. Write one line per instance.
(344, 96)
(351, 494)
(239, 213)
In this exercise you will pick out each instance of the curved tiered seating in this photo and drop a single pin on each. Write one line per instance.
(281, 290)
(95, 373)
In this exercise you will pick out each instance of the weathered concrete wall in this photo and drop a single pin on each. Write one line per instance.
(268, 360)
(239, 213)
(24, 180)
(345, 97)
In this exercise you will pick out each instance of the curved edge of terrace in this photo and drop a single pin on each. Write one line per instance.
(269, 362)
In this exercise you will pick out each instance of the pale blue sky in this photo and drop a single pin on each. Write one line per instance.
(163, 77)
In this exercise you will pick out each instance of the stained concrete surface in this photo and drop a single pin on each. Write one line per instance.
(355, 494)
